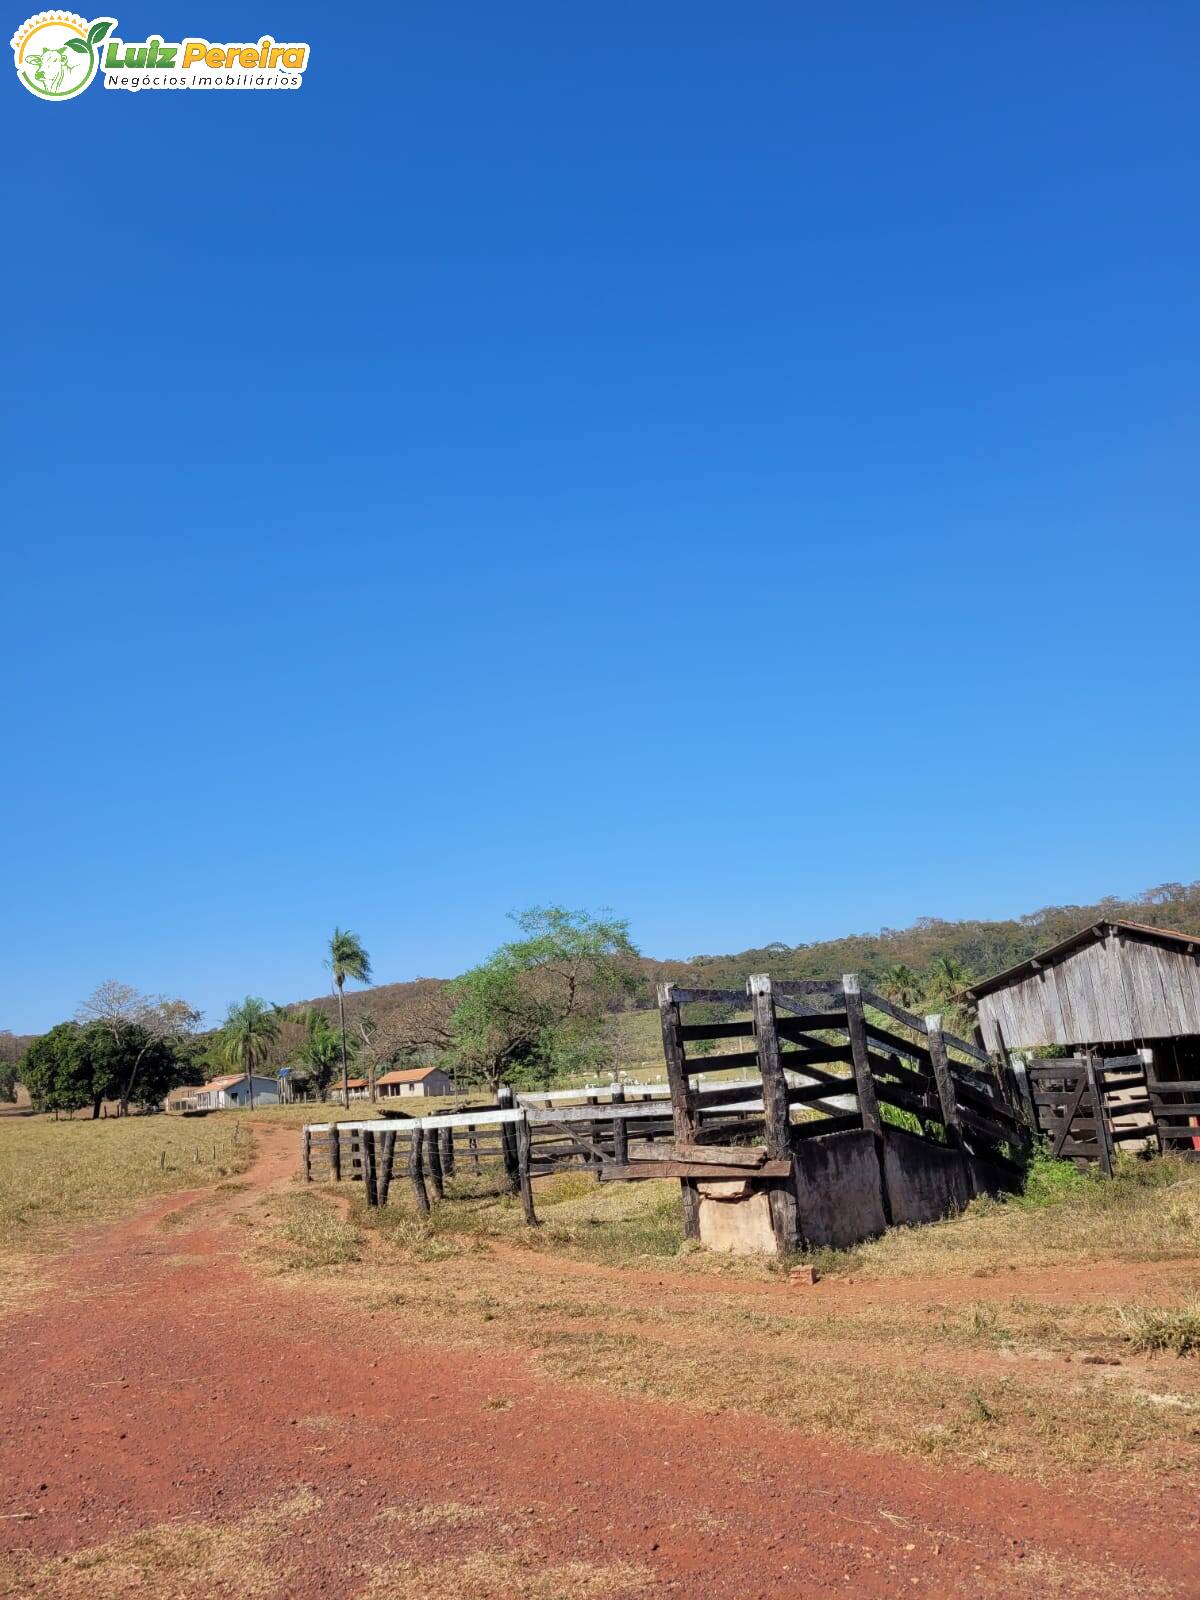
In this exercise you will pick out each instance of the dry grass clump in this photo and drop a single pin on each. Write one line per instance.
(1156, 1329)
(58, 1173)
(173, 1561)
(311, 1234)
(506, 1575)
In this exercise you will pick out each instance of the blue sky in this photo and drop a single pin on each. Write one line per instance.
(732, 465)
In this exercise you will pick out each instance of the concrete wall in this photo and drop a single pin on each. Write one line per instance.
(925, 1181)
(837, 1183)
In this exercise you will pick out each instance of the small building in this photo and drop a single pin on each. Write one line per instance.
(358, 1088)
(183, 1098)
(226, 1094)
(1113, 987)
(414, 1080)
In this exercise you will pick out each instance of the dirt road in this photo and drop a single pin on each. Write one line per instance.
(162, 1385)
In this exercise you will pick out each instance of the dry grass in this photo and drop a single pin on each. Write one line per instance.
(55, 1174)
(173, 1561)
(1157, 1329)
(506, 1575)
(1149, 1212)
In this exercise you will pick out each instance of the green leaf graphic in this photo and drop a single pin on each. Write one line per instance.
(77, 44)
(97, 31)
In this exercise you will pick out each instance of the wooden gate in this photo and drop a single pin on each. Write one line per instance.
(1087, 1105)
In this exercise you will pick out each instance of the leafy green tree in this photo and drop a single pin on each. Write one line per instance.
(58, 1072)
(347, 959)
(138, 1024)
(318, 1055)
(536, 1007)
(251, 1026)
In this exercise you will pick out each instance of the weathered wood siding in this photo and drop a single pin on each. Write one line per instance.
(1120, 989)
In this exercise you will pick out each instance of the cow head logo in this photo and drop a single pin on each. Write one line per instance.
(57, 53)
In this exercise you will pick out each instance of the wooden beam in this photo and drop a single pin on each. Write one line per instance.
(785, 1209)
(523, 1173)
(860, 1056)
(416, 1171)
(691, 1170)
(683, 1109)
(714, 1155)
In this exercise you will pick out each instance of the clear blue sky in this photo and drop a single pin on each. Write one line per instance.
(736, 465)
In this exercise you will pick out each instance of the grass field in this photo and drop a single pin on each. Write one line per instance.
(56, 1177)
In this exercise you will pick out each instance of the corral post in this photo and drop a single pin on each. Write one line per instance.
(947, 1099)
(1104, 1144)
(1154, 1095)
(682, 1105)
(383, 1177)
(306, 1142)
(868, 1104)
(435, 1165)
(508, 1142)
(526, 1179)
(368, 1166)
(473, 1146)
(620, 1130)
(335, 1151)
(785, 1208)
(416, 1171)
(448, 1152)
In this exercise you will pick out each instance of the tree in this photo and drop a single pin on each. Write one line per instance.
(58, 1072)
(149, 1020)
(901, 984)
(249, 1029)
(318, 1054)
(347, 959)
(537, 1005)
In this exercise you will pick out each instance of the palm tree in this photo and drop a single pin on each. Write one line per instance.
(901, 984)
(347, 959)
(248, 1031)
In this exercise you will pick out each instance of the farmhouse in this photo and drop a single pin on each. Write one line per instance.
(416, 1080)
(1113, 987)
(223, 1094)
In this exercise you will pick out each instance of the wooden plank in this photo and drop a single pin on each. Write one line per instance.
(416, 1172)
(717, 1155)
(907, 1019)
(524, 1174)
(692, 1171)
(846, 1122)
(1102, 1129)
(717, 1030)
(704, 997)
(620, 1128)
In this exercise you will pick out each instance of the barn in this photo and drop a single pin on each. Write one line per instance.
(1112, 988)
(224, 1094)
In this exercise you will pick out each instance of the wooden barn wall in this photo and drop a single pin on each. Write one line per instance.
(1112, 991)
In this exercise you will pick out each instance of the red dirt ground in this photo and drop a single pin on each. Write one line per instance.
(150, 1387)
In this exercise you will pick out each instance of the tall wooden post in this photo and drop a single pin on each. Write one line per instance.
(620, 1128)
(1104, 1141)
(416, 1171)
(860, 1056)
(335, 1151)
(508, 1138)
(435, 1165)
(682, 1102)
(947, 1099)
(306, 1152)
(523, 1171)
(368, 1166)
(448, 1152)
(387, 1157)
(785, 1210)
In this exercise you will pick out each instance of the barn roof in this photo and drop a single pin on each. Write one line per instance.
(1065, 947)
(411, 1075)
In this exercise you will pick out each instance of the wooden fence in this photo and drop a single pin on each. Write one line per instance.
(1088, 1106)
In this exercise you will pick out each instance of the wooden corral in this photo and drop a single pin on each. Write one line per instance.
(800, 1151)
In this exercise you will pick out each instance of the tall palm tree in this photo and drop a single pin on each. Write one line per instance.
(347, 959)
(250, 1028)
